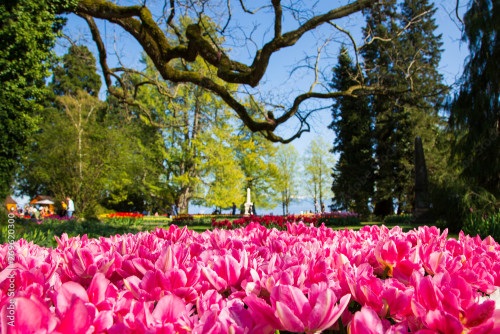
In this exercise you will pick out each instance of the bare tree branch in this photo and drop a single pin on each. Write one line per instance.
(456, 13)
(249, 11)
(356, 50)
(278, 16)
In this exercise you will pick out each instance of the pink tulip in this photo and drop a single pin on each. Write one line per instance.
(367, 321)
(169, 309)
(298, 313)
(76, 319)
(29, 316)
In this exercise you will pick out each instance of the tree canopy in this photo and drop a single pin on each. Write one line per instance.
(27, 35)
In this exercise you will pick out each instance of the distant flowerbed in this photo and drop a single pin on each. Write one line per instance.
(330, 218)
(255, 280)
(123, 215)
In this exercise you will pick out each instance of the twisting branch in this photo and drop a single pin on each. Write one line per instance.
(96, 36)
(172, 12)
(160, 87)
(138, 21)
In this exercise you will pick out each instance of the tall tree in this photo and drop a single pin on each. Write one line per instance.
(78, 72)
(353, 174)
(318, 163)
(286, 160)
(76, 153)
(189, 118)
(420, 56)
(475, 109)
(255, 156)
(409, 65)
(381, 21)
(222, 176)
(27, 35)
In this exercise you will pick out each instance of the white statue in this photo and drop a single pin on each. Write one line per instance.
(248, 204)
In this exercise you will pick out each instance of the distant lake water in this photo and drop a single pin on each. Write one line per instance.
(295, 207)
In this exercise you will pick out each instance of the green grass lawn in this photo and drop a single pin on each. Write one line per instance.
(43, 234)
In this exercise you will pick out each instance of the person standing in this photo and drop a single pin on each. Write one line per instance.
(71, 207)
(316, 207)
(323, 208)
(234, 208)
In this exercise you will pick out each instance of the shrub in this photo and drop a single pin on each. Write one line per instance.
(483, 225)
(339, 218)
(399, 220)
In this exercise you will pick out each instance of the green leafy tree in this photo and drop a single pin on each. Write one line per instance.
(420, 55)
(189, 119)
(286, 185)
(255, 156)
(318, 164)
(353, 174)
(222, 175)
(475, 109)
(27, 35)
(77, 152)
(75, 155)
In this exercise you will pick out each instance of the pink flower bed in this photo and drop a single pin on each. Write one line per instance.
(254, 280)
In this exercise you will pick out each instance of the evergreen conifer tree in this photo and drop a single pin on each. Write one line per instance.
(352, 122)
(475, 109)
(408, 63)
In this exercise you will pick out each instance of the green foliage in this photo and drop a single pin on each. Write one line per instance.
(482, 225)
(452, 200)
(78, 152)
(204, 155)
(475, 109)
(223, 175)
(255, 156)
(399, 220)
(76, 155)
(78, 72)
(286, 184)
(413, 112)
(27, 35)
(193, 157)
(353, 174)
(332, 220)
(318, 163)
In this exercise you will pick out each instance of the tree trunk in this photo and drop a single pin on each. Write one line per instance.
(183, 200)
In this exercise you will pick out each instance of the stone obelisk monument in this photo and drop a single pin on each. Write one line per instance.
(421, 213)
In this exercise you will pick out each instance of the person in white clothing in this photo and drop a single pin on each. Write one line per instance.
(71, 207)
